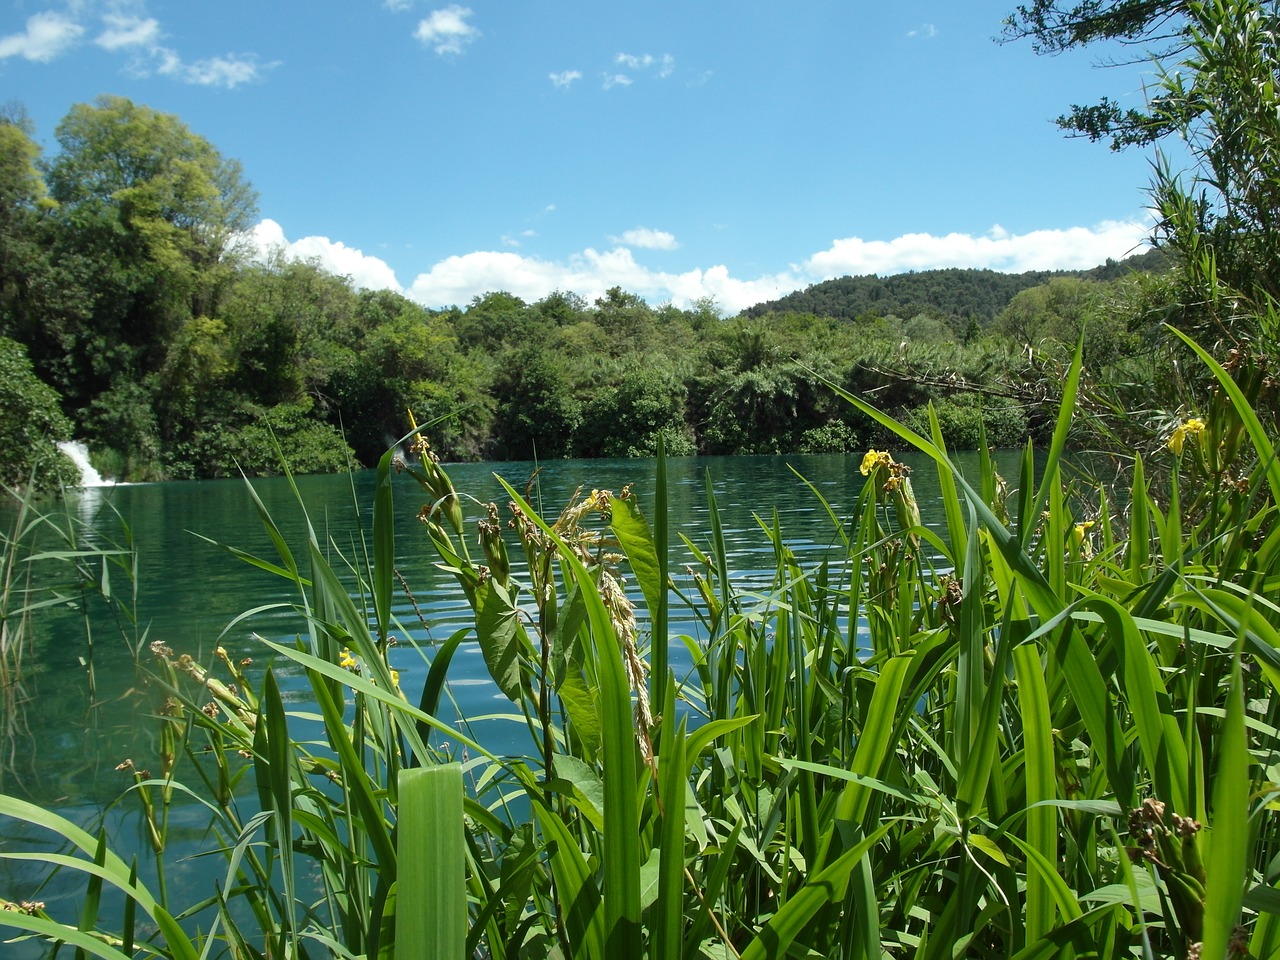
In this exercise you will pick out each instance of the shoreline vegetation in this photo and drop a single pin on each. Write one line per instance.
(135, 317)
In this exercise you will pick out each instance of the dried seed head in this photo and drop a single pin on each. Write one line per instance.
(1185, 826)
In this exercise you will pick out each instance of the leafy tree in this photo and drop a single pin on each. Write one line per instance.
(626, 419)
(22, 194)
(31, 424)
(1054, 27)
(561, 307)
(537, 413)
(497, 320)
(1052, 318)
(146, 219)
(262, 442)
(1222, 220)
(626, 320)
(408, 358)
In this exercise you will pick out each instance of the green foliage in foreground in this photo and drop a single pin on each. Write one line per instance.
(1047, 737)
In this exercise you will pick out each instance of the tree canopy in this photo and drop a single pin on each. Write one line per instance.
(1153, 28)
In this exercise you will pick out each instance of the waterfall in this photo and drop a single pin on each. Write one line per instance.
(79, 454)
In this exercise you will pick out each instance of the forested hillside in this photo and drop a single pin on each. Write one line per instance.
(135, 318)
(954, 294)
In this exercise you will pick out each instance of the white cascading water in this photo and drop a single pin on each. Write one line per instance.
(79, 454)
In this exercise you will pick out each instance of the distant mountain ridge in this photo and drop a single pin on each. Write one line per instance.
(952, 293)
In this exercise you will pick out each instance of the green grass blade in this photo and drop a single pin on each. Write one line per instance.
(1138, 552)
(384, 545)
(950, 500)
(274, 726)
(117, 872)
(1040, 776)
(1058, 443)
(55, 932)
(672, 786)
(971, 652)
(584, 919)
(828, 886)
(1227, 865)
(875, 743)
(1159, 735)
(1089, 695)
(438, 673)
(431, 896)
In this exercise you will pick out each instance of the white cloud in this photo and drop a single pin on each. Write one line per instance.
(565, 77)
(666, 63)
(447, 29)
(616, 80)
(648, 239)
(368, 272)
(1077, 248)
(124, 31)
(457, 279)
(926, 31)
(47, 35)
(397, 6)
(229, 71)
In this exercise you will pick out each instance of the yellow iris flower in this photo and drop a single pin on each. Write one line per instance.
(1191, 428)
(873, 459)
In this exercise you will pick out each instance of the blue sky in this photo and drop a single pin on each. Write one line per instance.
(677, 149)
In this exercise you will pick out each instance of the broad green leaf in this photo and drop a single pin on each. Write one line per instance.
(502, 636)
(431, 895)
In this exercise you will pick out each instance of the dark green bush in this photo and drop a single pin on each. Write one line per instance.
(269, 440)
(31, 424)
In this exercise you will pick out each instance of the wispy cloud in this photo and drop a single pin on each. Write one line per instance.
(647, 239)
(665, 64)
(397, 6)
(457, 279)
(926, 31)
(228, 71)
(565, 78)
(123, 32)
(48, 34)
(616, 80)
(446, 30)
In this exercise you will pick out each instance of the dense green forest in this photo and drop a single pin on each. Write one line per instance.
(954, 294)
(135, 317)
